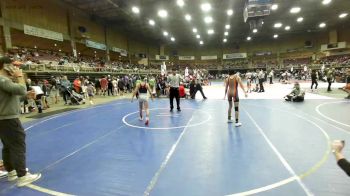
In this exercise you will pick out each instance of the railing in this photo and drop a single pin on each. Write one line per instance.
(83, 69)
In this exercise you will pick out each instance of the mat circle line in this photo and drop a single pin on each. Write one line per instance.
(162, 128)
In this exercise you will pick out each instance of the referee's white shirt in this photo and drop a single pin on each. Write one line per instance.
(174, 80)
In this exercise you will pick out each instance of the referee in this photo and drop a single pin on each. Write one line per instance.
(174, 83)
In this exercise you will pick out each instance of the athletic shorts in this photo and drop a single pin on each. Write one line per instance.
(233, 98)
(143, 97)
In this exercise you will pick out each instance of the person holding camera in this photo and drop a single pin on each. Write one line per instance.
(341, 160)
(12, 135)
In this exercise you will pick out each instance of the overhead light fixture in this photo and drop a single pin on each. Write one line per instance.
(226, 33)
(229, 12)
(162, 13)
(274, 7)
(322, 25)
(172, 39)
(343, 15)
(325, 2)
(300, 19)
(255, 30)
(287, 28)
(275, 36)
(208, 19)
(165, 33)
(224, 40)
(206, 7)
(188, 17)
(180, 3)
(201, 42)
(151, 22)
(249, 38)
(198, 36)
(211, 31)
(277, 25)
(135, 9)
(295, 10)
(227, 26)
(194, 30)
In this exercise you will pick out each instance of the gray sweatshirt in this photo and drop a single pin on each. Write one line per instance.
(10, 94)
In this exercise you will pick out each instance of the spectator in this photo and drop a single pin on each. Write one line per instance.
(12, 134)
(337, 147)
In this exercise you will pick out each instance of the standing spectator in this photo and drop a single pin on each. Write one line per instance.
(121, 86)
(90, 91)
(12, 134)
(330, 78)
(54, 91)
(65, 87)
(174, 82)
(314, 80)
(261, 77)
(271, 76)
(77, 84)
(104, 85)
(110, 86)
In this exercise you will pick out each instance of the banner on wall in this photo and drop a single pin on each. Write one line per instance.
(121, 51)
(235, 56)
(43, 33)
(209, 57)
(162, 57)
(186, 58)
(96, 45)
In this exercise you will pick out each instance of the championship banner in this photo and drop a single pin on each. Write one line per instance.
(92, 44)
(186, 58)
(235, 56)
(209, 57)
(43, 33)
(121, 51)
(162, 57)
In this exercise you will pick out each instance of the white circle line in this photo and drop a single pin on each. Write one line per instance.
(162, 128)
(326, 117)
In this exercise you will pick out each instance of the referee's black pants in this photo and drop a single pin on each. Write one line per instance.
(174, 92)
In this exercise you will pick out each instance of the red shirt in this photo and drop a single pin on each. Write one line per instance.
(182, 91)
(104, 83)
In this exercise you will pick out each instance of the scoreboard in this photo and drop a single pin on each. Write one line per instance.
(256, 9)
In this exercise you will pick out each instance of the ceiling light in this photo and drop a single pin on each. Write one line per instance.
(208, 19)
(165, 33)
(325, 2)
(188, 17)
(224, 40)
(162, 13)
(229, 12)
(194, 30)
(249, 38)
(201, 42)
(343, 15)
(151, 22)
(180, 3)
(172, 39)
(274, 7)
(322, 25)
(198, 36)
(211, 31)
(277, 25)
(227, 26)
(295, 10)
(206, 7)
(300, 19)
(275, 36)
(135, 9)
(226, 33)
(255, 30)
(287, 28)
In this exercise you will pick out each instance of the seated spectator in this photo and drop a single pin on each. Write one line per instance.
(297, 95)
(182, 91)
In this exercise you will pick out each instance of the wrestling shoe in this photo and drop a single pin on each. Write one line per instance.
(238, 124)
